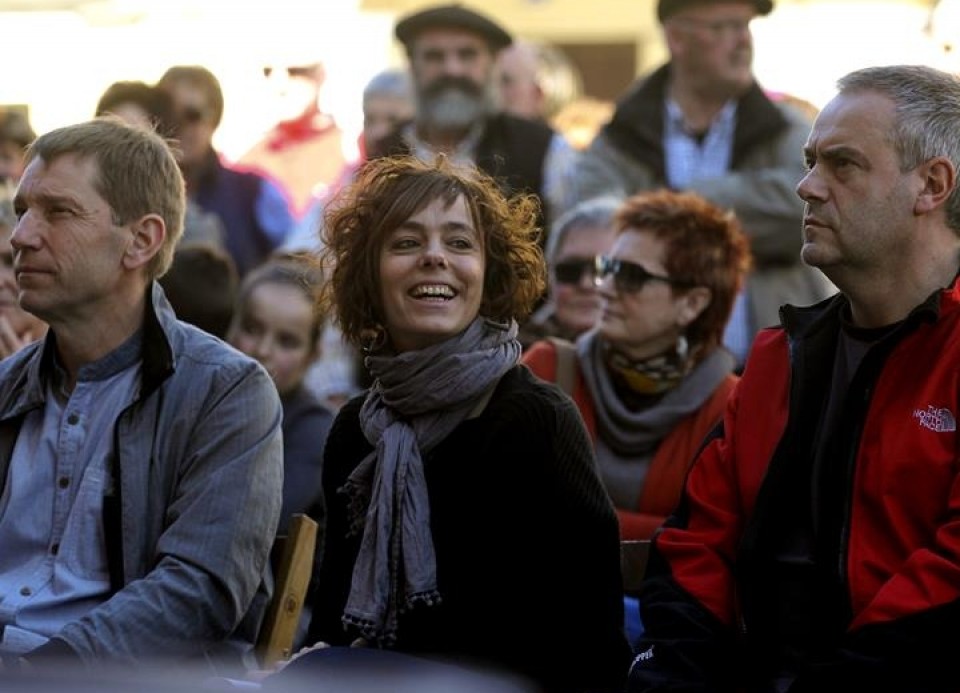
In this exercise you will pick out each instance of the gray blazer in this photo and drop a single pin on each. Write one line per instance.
(193, 504)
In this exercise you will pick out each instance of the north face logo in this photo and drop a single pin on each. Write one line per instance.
(936, 419)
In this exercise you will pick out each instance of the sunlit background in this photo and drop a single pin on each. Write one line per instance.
(61, 54)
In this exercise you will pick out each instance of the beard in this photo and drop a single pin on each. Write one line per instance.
(453, 104)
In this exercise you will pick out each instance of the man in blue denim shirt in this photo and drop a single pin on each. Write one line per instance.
(140, 459)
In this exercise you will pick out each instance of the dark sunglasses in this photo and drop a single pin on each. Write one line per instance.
(191, 115)
(572, 271)
(295, 71)
(629, 277)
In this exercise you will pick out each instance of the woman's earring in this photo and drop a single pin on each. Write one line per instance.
(683, 348)
(372, 339)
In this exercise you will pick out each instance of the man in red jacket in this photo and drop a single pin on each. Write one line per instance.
(818, 543)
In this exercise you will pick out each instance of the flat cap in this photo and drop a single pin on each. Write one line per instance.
(455, 17)
(668, 8)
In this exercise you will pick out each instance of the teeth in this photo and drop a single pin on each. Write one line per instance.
(439, 290)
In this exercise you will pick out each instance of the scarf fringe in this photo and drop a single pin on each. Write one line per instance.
(385, 637)
(427, 598)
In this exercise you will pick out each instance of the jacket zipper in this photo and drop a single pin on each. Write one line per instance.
(849, 480)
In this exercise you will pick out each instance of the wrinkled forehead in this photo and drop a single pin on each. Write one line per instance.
(61, 166)
(68, 177)
(855, 118)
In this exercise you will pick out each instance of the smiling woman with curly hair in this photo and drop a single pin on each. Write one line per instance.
(464, 515)
(385, 195)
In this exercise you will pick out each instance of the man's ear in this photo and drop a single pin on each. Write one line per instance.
(149, 233)
(939, 179)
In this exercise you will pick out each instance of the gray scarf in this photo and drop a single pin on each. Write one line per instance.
(418, 398)
(636, 433)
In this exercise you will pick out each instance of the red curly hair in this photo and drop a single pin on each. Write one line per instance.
(705, 246)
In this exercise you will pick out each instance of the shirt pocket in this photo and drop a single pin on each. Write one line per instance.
(83, 547)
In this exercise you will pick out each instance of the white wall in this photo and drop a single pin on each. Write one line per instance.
(804, 48)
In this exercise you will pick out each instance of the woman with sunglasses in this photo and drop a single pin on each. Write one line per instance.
(465, 518)
(574, 304)
(651, 380)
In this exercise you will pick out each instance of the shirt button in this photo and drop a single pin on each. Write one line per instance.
(73, 419)
(26, 591)
(63, 481)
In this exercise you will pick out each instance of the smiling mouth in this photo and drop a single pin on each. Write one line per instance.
(432, 292)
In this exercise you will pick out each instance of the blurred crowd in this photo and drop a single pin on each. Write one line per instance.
(521, 328)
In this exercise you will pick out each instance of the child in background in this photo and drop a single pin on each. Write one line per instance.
(278, 322)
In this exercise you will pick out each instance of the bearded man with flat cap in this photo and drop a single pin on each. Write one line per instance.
(452, 51)
(702, 123)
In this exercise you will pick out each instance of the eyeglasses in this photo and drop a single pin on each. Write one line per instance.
(292, 71)
(718, 27)
(629, 277)
(572, 271)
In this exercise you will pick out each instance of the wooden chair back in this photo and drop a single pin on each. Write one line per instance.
(293, 567)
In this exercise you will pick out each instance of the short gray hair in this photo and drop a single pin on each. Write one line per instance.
(597, 211)
(927, 116)
(393, 82)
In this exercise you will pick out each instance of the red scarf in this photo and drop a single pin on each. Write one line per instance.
(290, 132)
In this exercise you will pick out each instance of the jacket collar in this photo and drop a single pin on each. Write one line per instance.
(25, 389)
(806, 320)
(160, 340)
(637, 124)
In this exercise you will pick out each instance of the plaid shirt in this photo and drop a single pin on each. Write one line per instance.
(691, 156)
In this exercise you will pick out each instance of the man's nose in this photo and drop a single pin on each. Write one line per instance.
(454, 65)
(810, 187)
(24, 233)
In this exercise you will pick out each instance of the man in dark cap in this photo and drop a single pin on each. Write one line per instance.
(702, 123)
(452, 51)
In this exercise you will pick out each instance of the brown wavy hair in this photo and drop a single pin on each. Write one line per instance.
(705, 246)
(386, 193)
